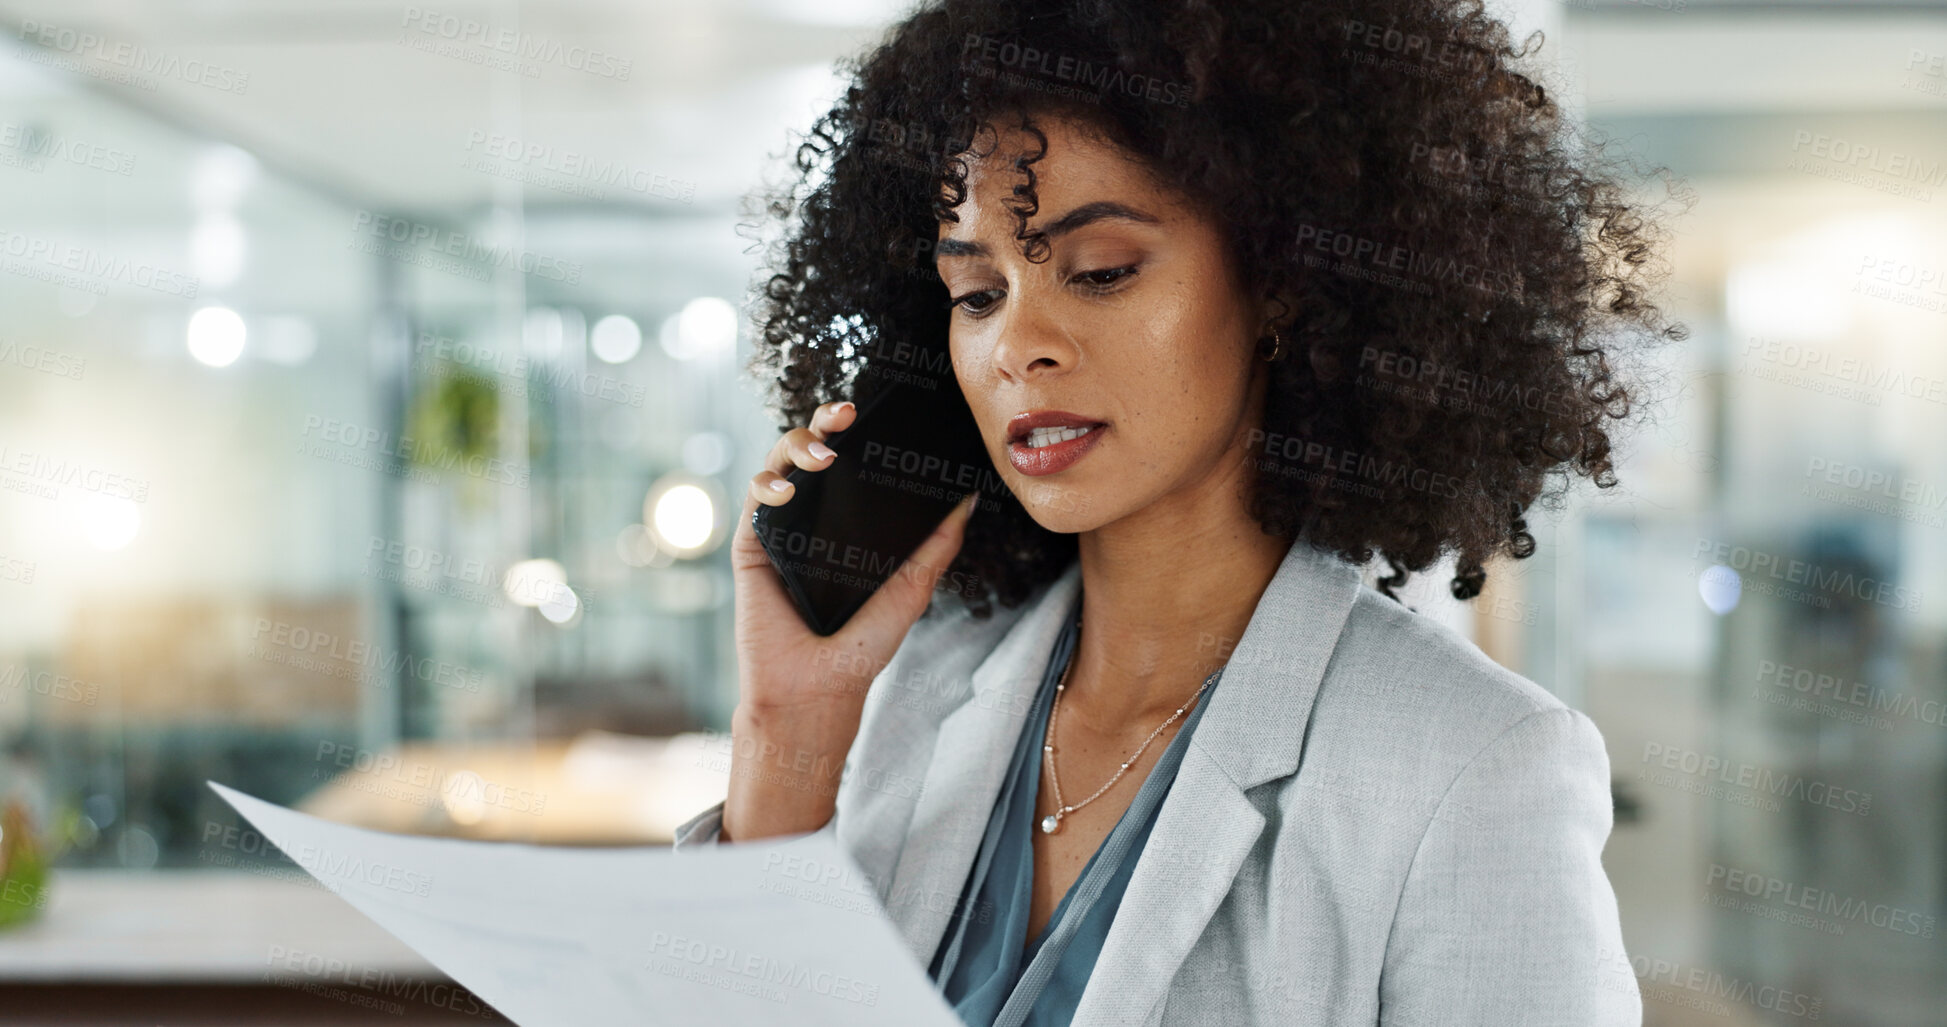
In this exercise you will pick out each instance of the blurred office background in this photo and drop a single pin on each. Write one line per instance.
(371, 420)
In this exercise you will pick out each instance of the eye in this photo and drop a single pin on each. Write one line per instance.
(1106, 278)
(976, 303)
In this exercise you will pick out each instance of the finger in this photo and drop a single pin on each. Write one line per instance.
(746, 552)
(833, 417)
(799, 448)
(793, 448)
(770, 488)
(943, 545)
(904, 596)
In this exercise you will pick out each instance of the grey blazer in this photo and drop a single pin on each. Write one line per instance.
(1373, 822)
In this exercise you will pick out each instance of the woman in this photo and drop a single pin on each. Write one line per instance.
(1240, 296)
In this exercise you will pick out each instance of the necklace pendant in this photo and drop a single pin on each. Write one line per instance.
(1049, 823)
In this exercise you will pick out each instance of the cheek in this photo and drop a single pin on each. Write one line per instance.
(966, 367)
(973, 371)
(1188, 357)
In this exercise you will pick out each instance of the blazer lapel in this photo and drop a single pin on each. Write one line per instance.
(973, 748)
(1253, 732)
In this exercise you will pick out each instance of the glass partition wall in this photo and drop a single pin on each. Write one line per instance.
(325, 498)
(1757, 618)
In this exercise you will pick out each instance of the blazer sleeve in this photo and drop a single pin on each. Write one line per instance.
(706, 829)
(1507, 917)
(702, 830)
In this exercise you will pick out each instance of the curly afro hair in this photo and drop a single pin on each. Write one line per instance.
(1459, 269)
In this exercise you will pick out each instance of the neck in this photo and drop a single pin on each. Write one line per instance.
(1166, 594)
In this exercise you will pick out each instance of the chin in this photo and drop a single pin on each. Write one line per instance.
(1060, 508)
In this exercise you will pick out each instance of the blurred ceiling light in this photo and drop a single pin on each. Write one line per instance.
(111, 522)
(220, 177)
(616, 339)
(542, 333)
(534, 582)
(563, 607)
(137, 848)
(705, 327)
(1783, 301)
(216, 249)
(667, 336)
(706, 452)
(1720, 588)
(100, 809)
(287, 339)
(681, 514)
(216, 336)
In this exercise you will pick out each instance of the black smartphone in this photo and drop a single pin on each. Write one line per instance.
(911, 454)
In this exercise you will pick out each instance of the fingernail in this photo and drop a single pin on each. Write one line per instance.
(847, 405)
(780, 485)
(821, 451)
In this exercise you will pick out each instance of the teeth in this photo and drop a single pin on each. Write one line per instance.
(1040, 437)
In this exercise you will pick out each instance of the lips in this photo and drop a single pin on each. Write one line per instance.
(1042, 442)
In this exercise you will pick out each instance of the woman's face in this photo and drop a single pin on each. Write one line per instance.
(1119, 372)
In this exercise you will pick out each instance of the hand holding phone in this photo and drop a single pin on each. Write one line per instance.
(783, 664)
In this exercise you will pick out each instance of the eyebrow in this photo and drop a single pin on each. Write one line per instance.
(1086, 214)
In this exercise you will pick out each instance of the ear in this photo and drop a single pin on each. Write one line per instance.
(1275, 311)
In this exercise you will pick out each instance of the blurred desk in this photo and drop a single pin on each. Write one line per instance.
(597, 789)
(190, 926)
(212, 926)
(215, 949)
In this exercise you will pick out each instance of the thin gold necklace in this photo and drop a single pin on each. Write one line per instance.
(1052, 822)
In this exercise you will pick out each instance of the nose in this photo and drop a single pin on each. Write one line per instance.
(1033, 343)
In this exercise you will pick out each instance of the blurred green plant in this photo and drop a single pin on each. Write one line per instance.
(454, 422)
(454, 416)
(23, 867)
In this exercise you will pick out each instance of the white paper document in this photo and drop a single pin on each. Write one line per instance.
(747, 934)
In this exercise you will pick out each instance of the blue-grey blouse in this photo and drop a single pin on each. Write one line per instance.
(981, 967)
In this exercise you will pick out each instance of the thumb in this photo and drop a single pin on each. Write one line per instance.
(904, 596)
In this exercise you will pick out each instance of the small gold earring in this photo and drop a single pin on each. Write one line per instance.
(1277, 346)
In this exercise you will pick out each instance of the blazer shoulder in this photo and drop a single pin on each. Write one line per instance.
(1405, 687)
(1384, 632)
